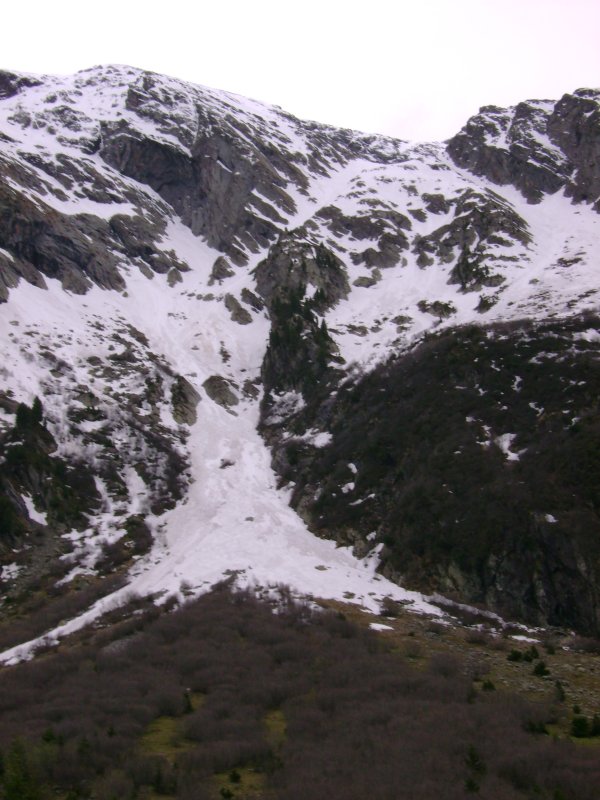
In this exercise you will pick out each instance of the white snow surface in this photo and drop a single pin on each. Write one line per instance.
(36, 516)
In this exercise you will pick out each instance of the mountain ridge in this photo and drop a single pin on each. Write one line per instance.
(165, 249)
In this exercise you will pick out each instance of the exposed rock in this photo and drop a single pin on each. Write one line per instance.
(575, 126)
(418, 214)
(387, 255)
(436, 203)
(538, 146)
(71, 249)
(174, 277)
(386, 225)
(12, 83)
(292, 265)
(480, 219)
(238, 313)
(217, 189)
(250, 389)
(219, 390)
(137, 237)
(252, 300)
(184, 399)
(365, 282)
(507, 146)
(221, 269)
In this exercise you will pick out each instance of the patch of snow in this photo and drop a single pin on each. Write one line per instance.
(285, 405)
(591, 335)
(9, 572)
(32, 513)
(522, 638)
(504, 442)
(318, 438)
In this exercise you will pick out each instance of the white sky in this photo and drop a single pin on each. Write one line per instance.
(416, 69)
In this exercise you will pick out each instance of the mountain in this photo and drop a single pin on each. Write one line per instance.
(235, 340)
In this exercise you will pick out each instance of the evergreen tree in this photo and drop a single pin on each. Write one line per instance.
(19, 781)
(23, 418)
(37, 411)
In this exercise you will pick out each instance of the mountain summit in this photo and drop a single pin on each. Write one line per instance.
(235, 340)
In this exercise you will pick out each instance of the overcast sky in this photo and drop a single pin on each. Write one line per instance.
(416, 69)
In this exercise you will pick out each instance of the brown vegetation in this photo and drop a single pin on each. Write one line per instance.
(226, 699)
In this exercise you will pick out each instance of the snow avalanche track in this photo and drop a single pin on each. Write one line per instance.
(233, 519)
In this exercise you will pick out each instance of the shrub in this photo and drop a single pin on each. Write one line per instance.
(476, 636)
(580, 727)
(540, 669)
(515, 655)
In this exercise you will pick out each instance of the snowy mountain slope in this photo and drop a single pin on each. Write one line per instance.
(158, 244)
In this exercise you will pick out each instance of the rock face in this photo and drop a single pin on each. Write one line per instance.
(294, 265)
(42, 241)
(298, 282)
(215, 186)
(12, 83)
(479, 223)
(538, 146)
(238, 313)
(184, 399)
(575, 127)
(63, 492)
(79, 250)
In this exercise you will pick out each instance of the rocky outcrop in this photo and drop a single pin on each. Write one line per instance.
(574, 126)
(220, 391)
(221, 270)
(510, 146)
(65, 492)
(12, 83)
(481, 220)
(538, 146)
(237, 311)
(383, 225)
(225, 187)
(40, 240)
(79, 250)
(299, 281)
(184, 399)
(294, 264)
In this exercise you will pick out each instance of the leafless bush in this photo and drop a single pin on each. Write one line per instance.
(477, 636)
(583, 644)
(357, 719)
(444, 664)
